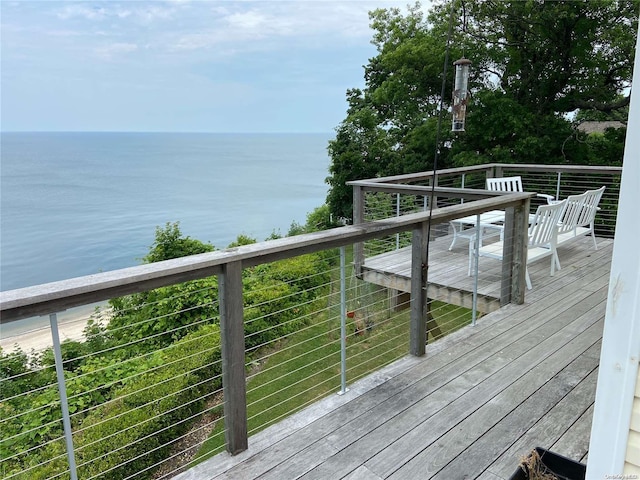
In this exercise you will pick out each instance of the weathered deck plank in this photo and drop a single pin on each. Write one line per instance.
(490, 358)
(448, 272)
(575, 441)
(474, 459)
(463, 413)
(480, 398)
(571, 410)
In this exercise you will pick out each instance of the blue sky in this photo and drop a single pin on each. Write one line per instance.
(218, 66)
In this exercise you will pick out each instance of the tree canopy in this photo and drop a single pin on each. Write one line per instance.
(536, 64)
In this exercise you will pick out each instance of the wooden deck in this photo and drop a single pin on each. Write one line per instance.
(479, 399)
(448, 272)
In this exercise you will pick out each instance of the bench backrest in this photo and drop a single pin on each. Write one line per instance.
(544, 228)
(580, 210)
(505, 184)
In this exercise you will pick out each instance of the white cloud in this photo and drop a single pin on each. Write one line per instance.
(109, 52)
(152, 13)
(123, 13)
(247, 20)
(82, 11)
(144, 13)
(241, 23)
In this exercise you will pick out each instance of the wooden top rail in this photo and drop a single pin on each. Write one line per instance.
(58, 296)
(414, 177)
(447, 192)
(560, 168)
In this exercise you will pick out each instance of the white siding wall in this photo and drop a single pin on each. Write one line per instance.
(632, 463)
(615, 432)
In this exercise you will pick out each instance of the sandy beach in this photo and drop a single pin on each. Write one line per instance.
(35, 333)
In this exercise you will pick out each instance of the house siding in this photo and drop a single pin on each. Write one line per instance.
(632, 460)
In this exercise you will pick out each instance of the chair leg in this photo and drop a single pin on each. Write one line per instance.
(472, 254)
(455, 236)
(554, 262)
(527, 278)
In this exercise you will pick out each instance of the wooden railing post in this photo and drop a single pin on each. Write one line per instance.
(514, 254)
(233, 357)
(358, 217)
(506, 282)
(520, 242)
(419, 303)
(435, 198)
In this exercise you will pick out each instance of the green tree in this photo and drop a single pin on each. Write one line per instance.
(149, 320)
(361, 149)
(555, 57)
(169, 243)
(534, 62)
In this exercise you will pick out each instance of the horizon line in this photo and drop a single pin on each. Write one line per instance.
(169, 131)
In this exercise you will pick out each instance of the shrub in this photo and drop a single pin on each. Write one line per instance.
(135, 430)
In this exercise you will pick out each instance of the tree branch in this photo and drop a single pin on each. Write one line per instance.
(602, 107)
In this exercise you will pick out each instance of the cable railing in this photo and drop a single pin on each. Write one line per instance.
(380, 198)
(393, 196)
(189, 357)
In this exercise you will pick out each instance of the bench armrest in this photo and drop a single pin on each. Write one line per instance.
(550, 198)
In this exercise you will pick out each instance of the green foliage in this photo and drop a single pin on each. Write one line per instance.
(72, 353)
(242, 240)
(279, 295)
(139, 378)
(305, 274)
(533, 63)
(13, 370)
(158, 317)
(591, 114)
(270, 312)
(170, 243)
(555, 57)
(320, 219)
(130, 433)
(296, 229)
(361, 149)
(605, 148)
(499, 129)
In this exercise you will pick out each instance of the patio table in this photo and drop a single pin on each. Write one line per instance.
(465, 227)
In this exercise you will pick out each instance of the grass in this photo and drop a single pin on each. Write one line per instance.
(305, 366)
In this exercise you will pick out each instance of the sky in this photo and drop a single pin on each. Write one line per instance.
(182, 66)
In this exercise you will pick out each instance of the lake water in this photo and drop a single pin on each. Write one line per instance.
(74, 204)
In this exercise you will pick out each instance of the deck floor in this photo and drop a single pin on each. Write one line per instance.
(480, 398)
(448, 274)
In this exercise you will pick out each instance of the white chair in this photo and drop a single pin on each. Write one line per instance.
(542, 239)
(512, 184)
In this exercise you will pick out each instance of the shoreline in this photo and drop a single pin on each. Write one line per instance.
(34, 334)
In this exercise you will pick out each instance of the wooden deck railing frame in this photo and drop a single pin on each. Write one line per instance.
(228, 264)
(408, 184)
(491, 170)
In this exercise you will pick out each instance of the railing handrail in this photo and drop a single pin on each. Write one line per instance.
(61, 295)
(485, 167)
(446, 192)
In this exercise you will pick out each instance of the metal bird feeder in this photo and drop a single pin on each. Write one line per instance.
(460, 94)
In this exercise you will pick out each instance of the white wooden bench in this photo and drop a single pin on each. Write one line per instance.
(579, 216)
(542, 239)
(573, 217)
